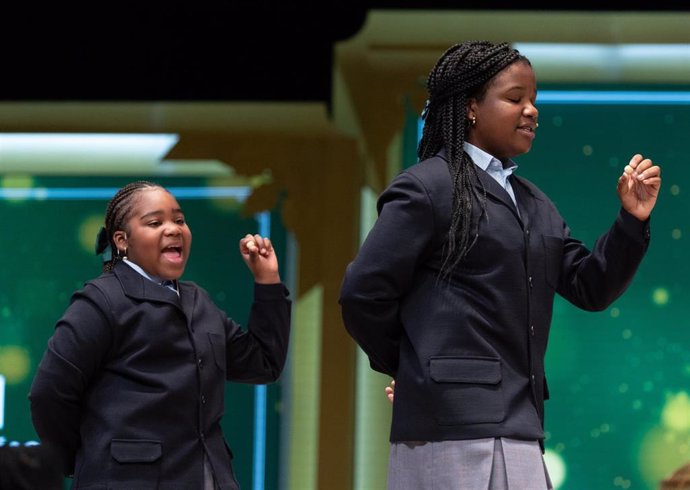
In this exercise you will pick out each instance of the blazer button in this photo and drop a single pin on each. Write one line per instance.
(203, 400)
(533, 380)
(200, 363)
(531, 330)
(530, 282)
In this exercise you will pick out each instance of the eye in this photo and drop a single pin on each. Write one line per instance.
(179, 221)
(153, 224)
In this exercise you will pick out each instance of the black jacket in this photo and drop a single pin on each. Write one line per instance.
(467, 353)
(131, 386)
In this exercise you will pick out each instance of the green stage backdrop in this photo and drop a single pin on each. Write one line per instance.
(47, 253)
(619, 414)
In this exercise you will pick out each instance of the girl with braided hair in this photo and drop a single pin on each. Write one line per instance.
(131, 386)
(451, 293)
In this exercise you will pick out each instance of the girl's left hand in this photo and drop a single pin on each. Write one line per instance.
(257, 252)
(638, 187)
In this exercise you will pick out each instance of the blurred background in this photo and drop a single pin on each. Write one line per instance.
(288, 119)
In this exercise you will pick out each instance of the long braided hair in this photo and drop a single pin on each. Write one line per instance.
(463, 72)
(117, 214)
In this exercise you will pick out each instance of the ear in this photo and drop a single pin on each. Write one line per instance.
(120, 240)
(471, 108)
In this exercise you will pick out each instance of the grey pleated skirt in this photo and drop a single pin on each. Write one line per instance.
(476, 464)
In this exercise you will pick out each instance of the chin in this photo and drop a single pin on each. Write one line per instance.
(172, 275)
(521, 151)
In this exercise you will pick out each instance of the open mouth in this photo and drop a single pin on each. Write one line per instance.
(173, 253)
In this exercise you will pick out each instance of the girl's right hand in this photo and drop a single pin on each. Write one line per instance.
(390, 391)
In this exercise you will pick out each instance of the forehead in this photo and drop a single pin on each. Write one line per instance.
(154, 199)
(517, 75)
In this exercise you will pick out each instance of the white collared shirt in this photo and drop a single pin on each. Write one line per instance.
(493, 167)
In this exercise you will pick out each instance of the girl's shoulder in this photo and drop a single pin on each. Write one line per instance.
(431, 174)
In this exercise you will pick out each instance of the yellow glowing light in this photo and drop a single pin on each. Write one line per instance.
(621, 482)
(660, 296)
(675, 190)
(231, 204)
(16, 181)
(626, 334)
(587, 150)
(661, 453)
(615, 312)
(676, 412)
(676, 234)
(556, 467)
(87, 233)
(14, 364)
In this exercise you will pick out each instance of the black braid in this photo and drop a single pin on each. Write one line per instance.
(118, 213)
(463, 72)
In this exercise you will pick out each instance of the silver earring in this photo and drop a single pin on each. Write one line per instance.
(474, 120)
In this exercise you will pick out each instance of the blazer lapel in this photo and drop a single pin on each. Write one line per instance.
(526, 199)
(488, 183)
(495, 190)
(187, 299)
(137, 286)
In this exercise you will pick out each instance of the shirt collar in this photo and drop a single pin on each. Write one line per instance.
(483, 160)
(134, 266)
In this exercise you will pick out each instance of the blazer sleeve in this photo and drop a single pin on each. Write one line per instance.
(81, 339)
(384, 268)
(258, 354)
(593, 280)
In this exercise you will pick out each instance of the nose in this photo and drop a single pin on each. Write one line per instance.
(172, 229)
(531, 110)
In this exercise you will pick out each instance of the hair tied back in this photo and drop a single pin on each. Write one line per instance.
(103, 245)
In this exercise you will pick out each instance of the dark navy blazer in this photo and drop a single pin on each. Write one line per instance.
(467, 353)
(131, 386)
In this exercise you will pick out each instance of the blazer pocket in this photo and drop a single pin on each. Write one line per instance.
(217, 342)
(135, 463)
(553, 259)
(466, 390)
(135, 450)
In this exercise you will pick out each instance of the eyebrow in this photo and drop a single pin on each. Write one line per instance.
(160, 211)
(521, 88)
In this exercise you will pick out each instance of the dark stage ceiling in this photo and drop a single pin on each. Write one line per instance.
(197, 50)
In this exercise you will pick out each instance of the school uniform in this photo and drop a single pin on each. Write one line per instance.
(467, 351)
(131, 386)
